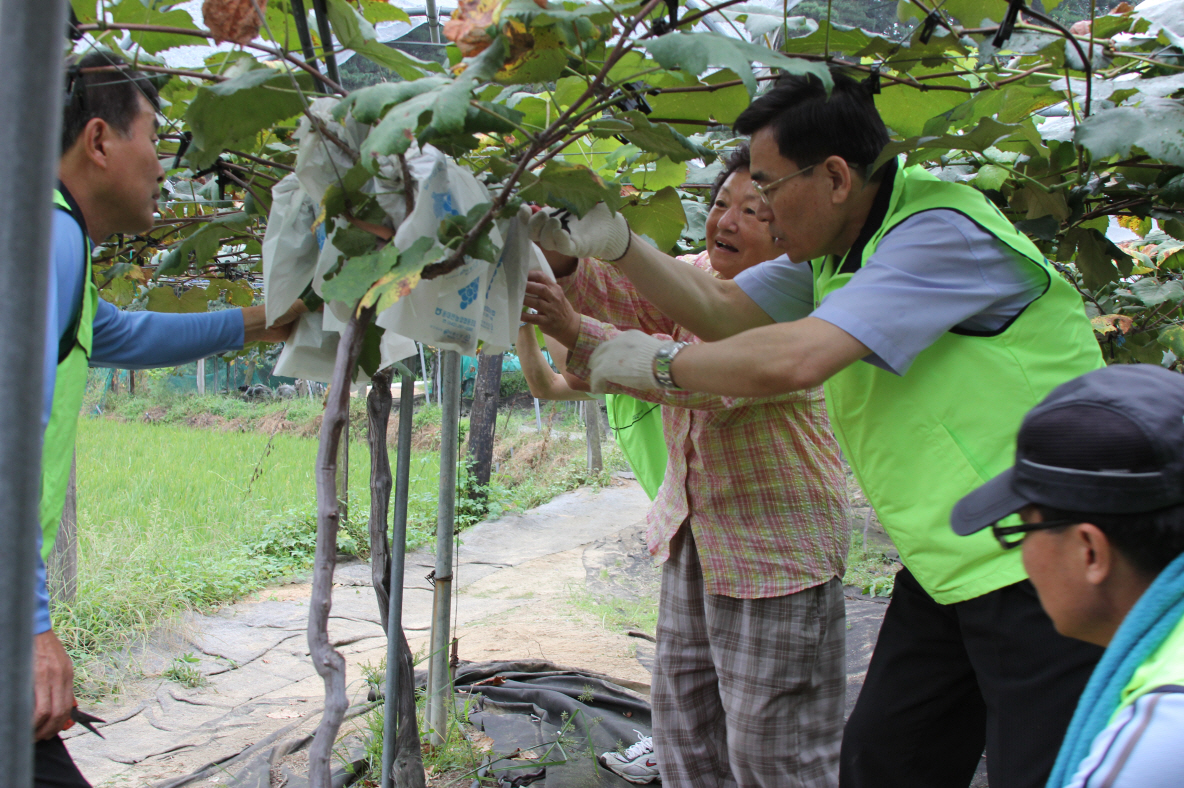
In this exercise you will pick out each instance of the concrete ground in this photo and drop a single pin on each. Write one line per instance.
(527, 588)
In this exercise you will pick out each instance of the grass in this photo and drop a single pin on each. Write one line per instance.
(618, 614)
(173, 518)
(870, 569)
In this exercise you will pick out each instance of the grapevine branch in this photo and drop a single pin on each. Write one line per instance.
(328, 662)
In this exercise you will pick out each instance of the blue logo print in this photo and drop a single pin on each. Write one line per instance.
(442, 204)
(468, 294)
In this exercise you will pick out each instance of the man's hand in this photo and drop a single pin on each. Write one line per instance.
(554, 314)
(255, 327)
(53, 686)
(601, 233)
(627, 360)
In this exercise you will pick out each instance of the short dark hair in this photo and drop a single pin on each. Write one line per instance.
(740, 159)
(1149, 540)
(110, 94)
(810, 125)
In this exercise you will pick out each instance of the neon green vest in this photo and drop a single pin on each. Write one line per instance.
(1163, 668)
(637, 426)
(57, 449)
(919, 442)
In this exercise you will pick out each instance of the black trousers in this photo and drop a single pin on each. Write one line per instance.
(54, 768)
(945, 680)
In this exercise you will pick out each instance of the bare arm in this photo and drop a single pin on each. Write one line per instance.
(543, 381)
(710, 308)
(255, 323)
(770, 360)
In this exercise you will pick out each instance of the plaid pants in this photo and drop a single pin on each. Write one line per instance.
(746, 692)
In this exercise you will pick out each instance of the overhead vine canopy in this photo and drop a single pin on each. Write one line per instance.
(570, 103)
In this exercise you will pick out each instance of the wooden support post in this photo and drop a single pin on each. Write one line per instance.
(62, 570)
(483, 421)
(592, 431)
(201, 377)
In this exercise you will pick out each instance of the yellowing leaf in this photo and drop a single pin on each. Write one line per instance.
(469, 24)
(1109, 324)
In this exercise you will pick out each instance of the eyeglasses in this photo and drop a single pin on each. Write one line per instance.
(766, 191)
(1006, 535)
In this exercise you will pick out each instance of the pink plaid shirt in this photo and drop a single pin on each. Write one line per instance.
(760, 479)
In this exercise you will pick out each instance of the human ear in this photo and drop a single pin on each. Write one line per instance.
(1096, 552)
(839, 175)
(95, 138)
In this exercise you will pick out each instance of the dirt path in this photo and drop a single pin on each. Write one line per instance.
(529, 586)
(518, 579)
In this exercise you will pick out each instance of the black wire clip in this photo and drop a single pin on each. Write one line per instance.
(872, 81)
(1005, 30)
(929, 26)
(182, 147)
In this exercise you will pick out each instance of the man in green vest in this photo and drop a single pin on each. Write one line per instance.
(934, 326)
(110, 180)
(1098, 481)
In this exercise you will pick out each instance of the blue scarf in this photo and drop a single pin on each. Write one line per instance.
(1143, 630)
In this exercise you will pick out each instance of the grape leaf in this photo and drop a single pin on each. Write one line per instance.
(573, 187)
(162, 299)
(1156, 126)
(403, 278)
(356, 33)
(660, 218)
(695, 52)
(203, 243)
(368, 105)
(661, 139)
(230, 114)
(359, 274)
(134, 12)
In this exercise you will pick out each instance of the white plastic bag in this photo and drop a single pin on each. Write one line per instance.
(289, 247)
(310, 352)
(447, 311)
(506, 287)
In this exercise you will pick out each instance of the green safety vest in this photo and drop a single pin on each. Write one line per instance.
(57, 448)
(1163, 668)
(919, 442)
(637, 426)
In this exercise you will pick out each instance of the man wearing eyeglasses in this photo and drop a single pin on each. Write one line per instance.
(1098, 481)
(935, 326)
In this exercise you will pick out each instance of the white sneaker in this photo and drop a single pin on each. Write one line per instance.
(637, 764)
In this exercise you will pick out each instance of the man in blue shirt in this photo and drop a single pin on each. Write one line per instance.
(110, 180)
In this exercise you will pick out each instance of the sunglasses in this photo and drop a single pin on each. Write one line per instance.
(766, 191)
(1011, 536)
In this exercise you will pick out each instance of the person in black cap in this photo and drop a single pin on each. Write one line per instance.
(1098, 487)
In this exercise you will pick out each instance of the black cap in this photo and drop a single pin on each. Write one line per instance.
(1108, 442)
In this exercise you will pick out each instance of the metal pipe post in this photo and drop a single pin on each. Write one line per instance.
(439, 681)
(300, 16)
(31, 46)
(433, 21)
(322, 13)
(394, 626)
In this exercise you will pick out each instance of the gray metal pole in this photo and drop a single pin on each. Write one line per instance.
(32, 39)
(439, 683)
(433, 21)
(394, 627)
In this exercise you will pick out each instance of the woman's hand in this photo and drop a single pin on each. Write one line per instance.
(553, 313)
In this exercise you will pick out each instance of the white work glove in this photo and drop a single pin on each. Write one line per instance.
(627, 360)
(601, 233)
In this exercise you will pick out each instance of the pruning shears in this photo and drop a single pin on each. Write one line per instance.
(86, 720)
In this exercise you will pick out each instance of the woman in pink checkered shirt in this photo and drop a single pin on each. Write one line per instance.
(751, 524)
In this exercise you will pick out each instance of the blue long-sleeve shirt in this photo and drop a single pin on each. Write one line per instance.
(128, 340)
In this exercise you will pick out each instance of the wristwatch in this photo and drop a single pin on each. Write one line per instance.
(662, 361)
